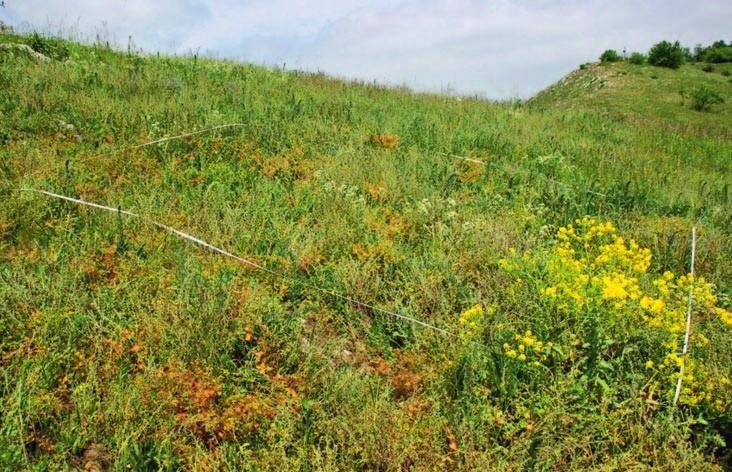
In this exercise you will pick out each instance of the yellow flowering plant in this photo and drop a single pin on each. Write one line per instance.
(596, 286)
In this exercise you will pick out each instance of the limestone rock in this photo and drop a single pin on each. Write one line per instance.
(24, 49)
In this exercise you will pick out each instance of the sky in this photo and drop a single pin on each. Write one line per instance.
(499, 49)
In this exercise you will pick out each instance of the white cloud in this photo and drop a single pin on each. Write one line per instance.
(499, 48)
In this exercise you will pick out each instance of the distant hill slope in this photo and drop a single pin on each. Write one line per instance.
(645, 92)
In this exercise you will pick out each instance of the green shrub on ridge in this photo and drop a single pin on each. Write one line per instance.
(610, 55)
(666, 54)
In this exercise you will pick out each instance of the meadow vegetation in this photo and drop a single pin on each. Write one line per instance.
(560, 266)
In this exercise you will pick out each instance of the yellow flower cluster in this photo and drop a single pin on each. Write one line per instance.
(608, 248)
(654, 305)
(724, 315)
(567, 292)
(473, 318)
(527, 348)
(663, 283)
(667, 309)
(697, 384)
(593, 270)
(702, 290)
(618, 288)
(591, 264)
(622, 255)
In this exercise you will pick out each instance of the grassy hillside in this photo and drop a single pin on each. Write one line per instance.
(643, 92)
(124, 347)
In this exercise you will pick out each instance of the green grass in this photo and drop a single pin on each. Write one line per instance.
(124, 346)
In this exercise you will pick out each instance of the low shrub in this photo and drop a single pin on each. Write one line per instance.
(702, 98)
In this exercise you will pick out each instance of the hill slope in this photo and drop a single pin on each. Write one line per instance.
(125, 347)
(645, 93)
